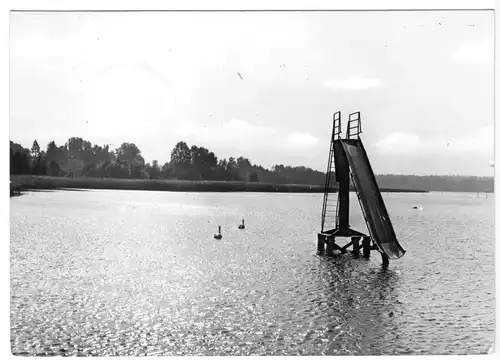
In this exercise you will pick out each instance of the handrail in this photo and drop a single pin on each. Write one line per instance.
(354, 123)
(336, 124)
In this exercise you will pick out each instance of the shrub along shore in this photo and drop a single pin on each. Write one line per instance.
(21, 183)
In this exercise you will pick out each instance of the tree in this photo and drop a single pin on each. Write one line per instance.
(166, 170)
(11, 161)
(203, 157)
(232, 169)
(129, 155)
(35, 150)
(254, 177)
(38, 159)
(20, 163)
(204, 163)
(243, 162)
(181, 154)
(51, 146)
(244, 167)
(88, 154)
(180, 161)
(222, 164)
(54, 169)
(136, 171)
(75, 151)
(116, 170)
(55, 158)
(154, 170)
(75, 145)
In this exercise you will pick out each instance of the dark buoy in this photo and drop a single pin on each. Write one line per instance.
(218, 235)
(242, 225)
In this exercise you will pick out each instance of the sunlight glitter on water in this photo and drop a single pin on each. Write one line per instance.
(125, 273)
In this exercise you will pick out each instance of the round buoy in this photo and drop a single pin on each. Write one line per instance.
(218, 235)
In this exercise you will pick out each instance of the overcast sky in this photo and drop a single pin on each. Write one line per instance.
(423, 82)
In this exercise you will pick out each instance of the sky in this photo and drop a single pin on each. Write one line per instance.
(263, 85)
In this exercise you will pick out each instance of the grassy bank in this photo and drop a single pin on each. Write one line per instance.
(25, 182)
(28, 182)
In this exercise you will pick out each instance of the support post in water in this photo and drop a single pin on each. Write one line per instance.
(385, 260)
(321, 244)
(330, 246)
(355, 245)
(366, 247)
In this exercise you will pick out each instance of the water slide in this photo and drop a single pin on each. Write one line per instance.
(371, 201)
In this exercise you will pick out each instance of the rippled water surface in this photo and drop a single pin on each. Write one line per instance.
(139, 273)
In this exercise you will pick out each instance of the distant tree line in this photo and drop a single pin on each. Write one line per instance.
(78, 157)
(445, 183)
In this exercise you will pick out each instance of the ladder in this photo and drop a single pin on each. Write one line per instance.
(354, 125)
(329, 214)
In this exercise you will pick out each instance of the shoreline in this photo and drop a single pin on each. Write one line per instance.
(20, 183)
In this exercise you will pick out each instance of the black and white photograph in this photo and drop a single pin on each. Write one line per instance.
(251, 182)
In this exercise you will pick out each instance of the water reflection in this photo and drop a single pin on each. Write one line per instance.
(362, 306)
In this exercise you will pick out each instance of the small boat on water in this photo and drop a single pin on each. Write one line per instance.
(242, 225)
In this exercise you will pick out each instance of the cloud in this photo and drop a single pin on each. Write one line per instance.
(480, 142)
(302, 140)
(241, 135)
(353, 83)
(480, 52)
(235, 134)
(401, 143)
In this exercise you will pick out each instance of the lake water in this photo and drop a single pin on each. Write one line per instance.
(139, 273)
